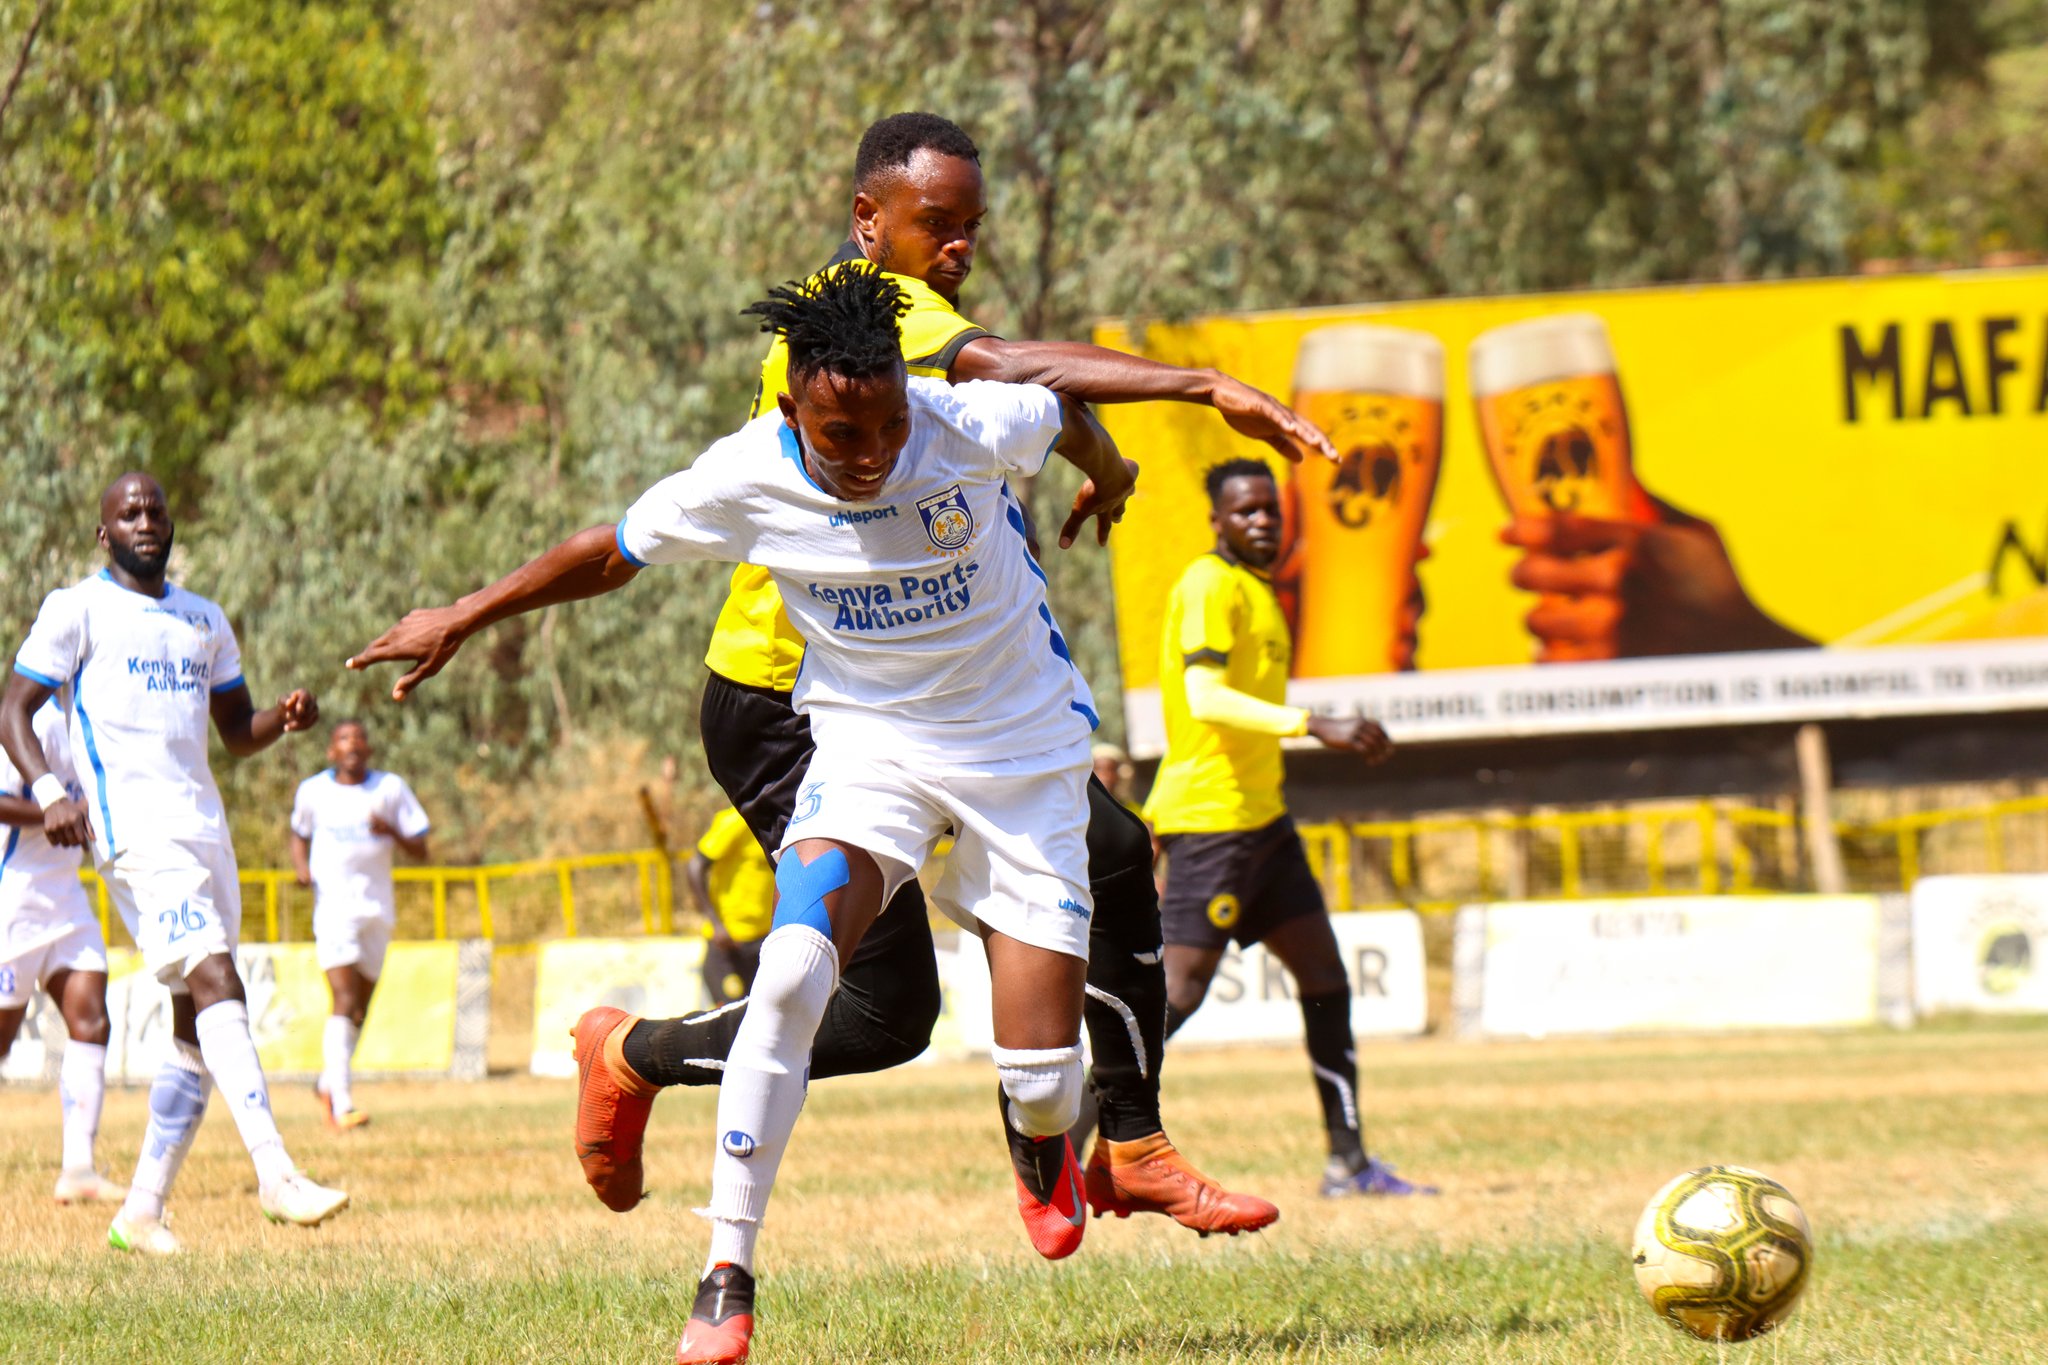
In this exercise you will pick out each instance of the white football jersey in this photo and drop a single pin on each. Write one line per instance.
(36, 877)
(351, 866)
(924, 616)
(141, 672)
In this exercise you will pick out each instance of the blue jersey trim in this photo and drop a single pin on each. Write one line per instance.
(230, 685)
(619, 534)
(13, 838)
(99, 771)
(1094, 721)
(791, 450)
(34, 676)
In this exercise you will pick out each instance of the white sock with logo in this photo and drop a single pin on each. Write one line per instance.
(338, 1050)
(82, 1090)
(766, 1075)
(230, 1052)
(177, 1102)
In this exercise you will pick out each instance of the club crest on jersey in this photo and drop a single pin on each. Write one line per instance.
(947, 520)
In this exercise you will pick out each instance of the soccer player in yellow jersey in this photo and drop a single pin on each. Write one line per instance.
(918, 205)
(1235, 866)
(733, 884)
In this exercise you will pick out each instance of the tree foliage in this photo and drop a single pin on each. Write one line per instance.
(397, 293)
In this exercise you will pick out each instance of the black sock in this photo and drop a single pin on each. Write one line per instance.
(674, 1051)
(1125, 1008)
(1326, 1022)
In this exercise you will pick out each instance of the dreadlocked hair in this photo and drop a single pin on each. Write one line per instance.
(1220, 474)
(842, 321)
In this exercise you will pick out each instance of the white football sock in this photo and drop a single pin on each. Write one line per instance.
(337, 1050)
(766, 1075)
(230, 1054)
(82, 1090)
(177, 1101)
(1044, 1086)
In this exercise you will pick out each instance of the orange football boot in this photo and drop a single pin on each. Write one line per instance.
(1149, 1175)
(721, 1326)
(612, 1104)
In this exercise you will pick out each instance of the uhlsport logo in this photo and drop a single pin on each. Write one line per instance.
(947, 519)
(737, 1144)
(1073, 907)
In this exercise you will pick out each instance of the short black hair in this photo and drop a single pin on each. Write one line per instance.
(889, 143)
(843, 320)
(345, 722)
(1220, 474)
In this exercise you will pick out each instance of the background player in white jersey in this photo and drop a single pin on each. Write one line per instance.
(939, 692)
(50, 939)
(141, 665)
(346, 824)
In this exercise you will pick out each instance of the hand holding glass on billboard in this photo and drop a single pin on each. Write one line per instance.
(1619, 573)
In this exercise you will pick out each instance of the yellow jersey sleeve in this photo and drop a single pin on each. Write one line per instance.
(753, 642)
(727, 828)
(1217, 778)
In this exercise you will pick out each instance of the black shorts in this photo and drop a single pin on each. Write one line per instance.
(1242, 885)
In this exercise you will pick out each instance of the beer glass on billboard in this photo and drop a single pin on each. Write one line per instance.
(1377, 393)
(1554, 425)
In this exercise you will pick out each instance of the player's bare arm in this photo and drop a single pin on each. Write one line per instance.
(587, 564)
(1110, 478)
(1097, 374)
(1353, 734)
(302, 858)
(65, 822)
(246, 731)
(415, 846)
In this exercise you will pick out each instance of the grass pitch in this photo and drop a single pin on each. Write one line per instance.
(1922, 1159)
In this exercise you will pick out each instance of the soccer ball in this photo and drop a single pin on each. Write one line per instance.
(1723, 1252)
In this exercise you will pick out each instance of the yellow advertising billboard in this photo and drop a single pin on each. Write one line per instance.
(1642, 508)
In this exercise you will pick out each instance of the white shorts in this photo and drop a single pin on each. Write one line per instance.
(34, 948)
(1019, 863)
(349, 939)
(182, 903)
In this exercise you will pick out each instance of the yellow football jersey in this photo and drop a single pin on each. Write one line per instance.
(741, 881)
(1213, 778)
(753, 642)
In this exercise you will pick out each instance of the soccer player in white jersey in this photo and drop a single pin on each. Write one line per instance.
(139, 665)
(50, 939)
(939, 693)
(346, 824)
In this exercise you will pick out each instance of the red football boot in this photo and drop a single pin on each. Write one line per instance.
(1049, 1193)
(721, 1326)
(612, 1105)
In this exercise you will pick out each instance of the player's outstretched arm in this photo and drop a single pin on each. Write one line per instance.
(587, 564)
(64, 821)
(1110, 477)
(244, 730)
(1096, 374)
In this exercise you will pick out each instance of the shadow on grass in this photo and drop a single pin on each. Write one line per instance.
(1325, 1330)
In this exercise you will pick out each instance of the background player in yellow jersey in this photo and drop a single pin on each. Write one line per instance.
(733, 883)
(1235, 866)
(918, 205)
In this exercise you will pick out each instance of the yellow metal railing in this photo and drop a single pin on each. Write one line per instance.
(1693, 848)
(1432, 863)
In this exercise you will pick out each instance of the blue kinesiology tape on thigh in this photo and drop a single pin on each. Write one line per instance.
(801, 888)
